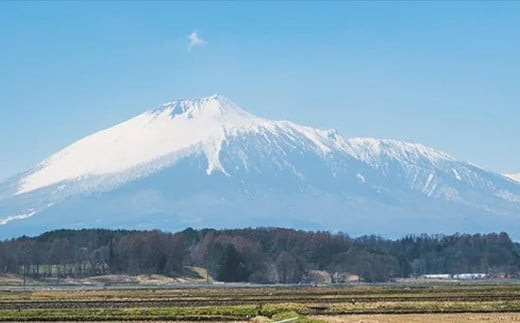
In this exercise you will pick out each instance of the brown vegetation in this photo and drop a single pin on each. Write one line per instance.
(265, 255)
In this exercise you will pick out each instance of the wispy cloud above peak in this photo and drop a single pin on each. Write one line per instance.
(195, 40)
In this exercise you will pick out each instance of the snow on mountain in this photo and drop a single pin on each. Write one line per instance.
(172, 128)
(207, 161)
(514, 177)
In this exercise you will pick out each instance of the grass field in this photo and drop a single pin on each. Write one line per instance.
(311, 304)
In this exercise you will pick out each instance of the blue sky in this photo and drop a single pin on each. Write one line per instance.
(440, 73)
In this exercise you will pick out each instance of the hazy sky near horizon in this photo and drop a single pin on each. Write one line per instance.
(445, 74)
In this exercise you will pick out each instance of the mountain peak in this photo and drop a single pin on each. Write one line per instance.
(212, 106)
(150, 140)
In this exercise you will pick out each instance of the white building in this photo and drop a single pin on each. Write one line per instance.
(470, 276)
(436, 276)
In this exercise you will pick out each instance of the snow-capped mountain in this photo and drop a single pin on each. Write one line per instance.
(208, 163)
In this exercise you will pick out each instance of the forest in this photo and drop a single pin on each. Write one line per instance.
(259, 255)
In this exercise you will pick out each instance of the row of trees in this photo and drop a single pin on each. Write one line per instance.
(264, 255)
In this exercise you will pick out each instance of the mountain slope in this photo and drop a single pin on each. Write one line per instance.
(207, 162)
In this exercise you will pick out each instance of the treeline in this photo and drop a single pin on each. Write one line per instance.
(264, 255)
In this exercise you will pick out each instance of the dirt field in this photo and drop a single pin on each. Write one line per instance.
(360, 303)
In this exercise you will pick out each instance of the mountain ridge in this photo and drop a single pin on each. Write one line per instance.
(514, 177)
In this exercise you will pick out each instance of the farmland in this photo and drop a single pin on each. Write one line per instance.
(223, 303)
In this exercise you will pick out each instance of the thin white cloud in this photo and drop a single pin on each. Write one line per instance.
(195, 40)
